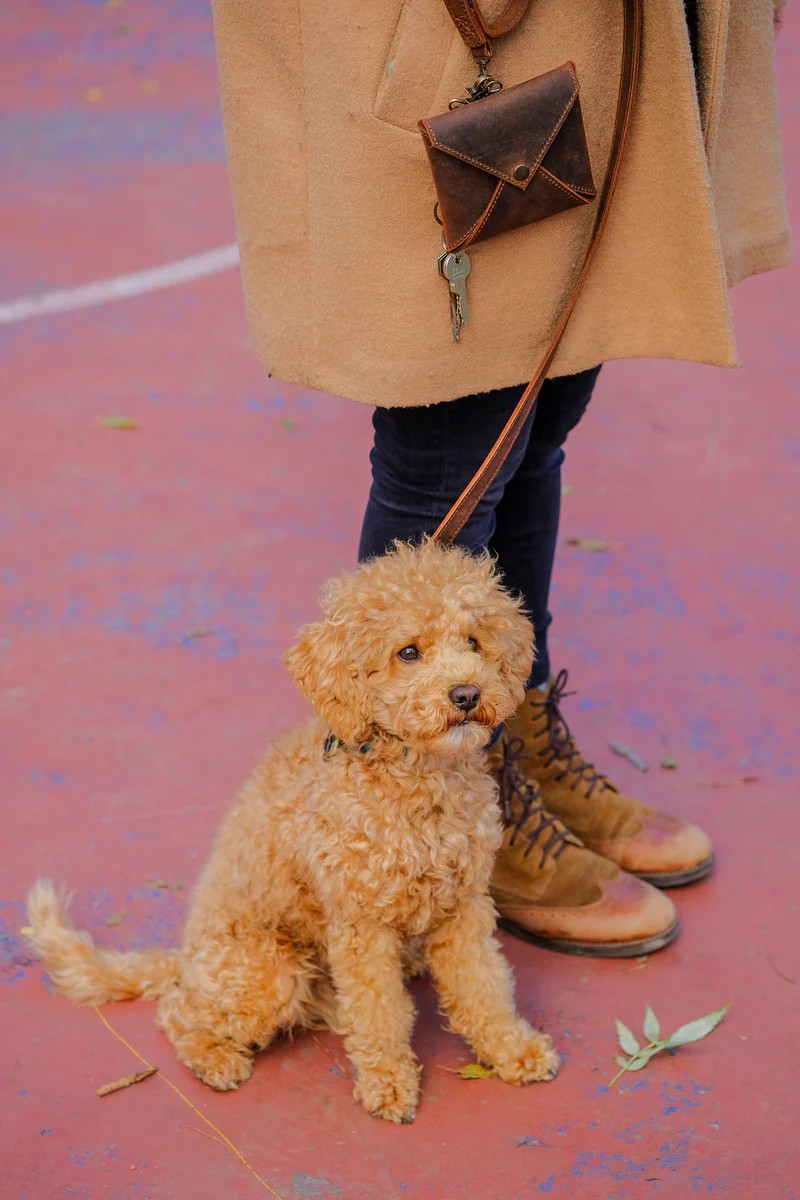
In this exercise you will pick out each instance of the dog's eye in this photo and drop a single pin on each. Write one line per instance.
(408, 653)
(473, 644)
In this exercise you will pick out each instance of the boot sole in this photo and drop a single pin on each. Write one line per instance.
(671, 879)
(594, 949)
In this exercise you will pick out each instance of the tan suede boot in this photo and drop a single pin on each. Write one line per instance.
(658, 848)
(551, 890)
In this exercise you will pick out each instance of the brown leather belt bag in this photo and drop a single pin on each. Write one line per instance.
(512, 157)
(502, 159)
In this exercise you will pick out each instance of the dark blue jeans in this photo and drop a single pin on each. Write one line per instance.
(423, 458)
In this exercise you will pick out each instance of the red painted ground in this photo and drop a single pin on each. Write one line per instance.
(124, 736)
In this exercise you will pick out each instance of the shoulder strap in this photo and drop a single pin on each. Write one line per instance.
(465, 505)
(476, 30)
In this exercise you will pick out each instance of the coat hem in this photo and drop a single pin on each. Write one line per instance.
(759, 259)
(376, 397)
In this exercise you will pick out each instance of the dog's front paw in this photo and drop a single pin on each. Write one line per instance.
(391, 1093)
(221, 1063)
(532, 1061)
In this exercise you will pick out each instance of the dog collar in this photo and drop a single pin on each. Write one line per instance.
(333, 743)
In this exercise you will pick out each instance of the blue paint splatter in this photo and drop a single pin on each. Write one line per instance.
(15, 955)
(673, 1155)
(166, 616)
(589, 1165)
(676, 1096)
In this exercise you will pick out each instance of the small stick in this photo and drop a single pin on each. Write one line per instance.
(721, 783)
(127, 1081)
(631, 755)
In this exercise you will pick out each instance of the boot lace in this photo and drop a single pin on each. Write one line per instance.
(562, 744)
(523, 807)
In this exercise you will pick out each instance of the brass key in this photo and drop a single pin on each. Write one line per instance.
(455, 268)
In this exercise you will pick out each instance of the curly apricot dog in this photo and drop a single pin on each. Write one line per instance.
(371, 826)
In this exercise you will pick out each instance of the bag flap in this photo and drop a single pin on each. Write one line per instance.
(509, 132)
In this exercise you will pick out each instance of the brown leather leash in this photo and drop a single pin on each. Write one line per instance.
(474, 28)
(477, 33)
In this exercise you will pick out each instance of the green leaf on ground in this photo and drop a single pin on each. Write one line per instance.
(639, 1057)
(626, 1039)
(695, 1030)
(652, 1029)
(641, 1060)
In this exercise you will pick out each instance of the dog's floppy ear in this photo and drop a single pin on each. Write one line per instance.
(318, 665)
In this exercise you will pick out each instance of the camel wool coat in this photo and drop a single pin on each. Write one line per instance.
(334, 198)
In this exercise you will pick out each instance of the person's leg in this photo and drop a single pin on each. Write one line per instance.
(423, 458)
(527, 514)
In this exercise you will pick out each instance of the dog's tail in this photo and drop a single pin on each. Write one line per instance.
(83, 972)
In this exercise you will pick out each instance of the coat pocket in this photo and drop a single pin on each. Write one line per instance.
(413, 67)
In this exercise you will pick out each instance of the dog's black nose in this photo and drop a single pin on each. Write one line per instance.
(465, 696)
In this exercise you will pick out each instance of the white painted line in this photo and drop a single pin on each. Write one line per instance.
(105, 291)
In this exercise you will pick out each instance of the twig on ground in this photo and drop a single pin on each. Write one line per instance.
(127, 1081)
(626, 752)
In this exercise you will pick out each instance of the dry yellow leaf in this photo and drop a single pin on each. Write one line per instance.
(119, 422)
(477, 1071)
(596, 544)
